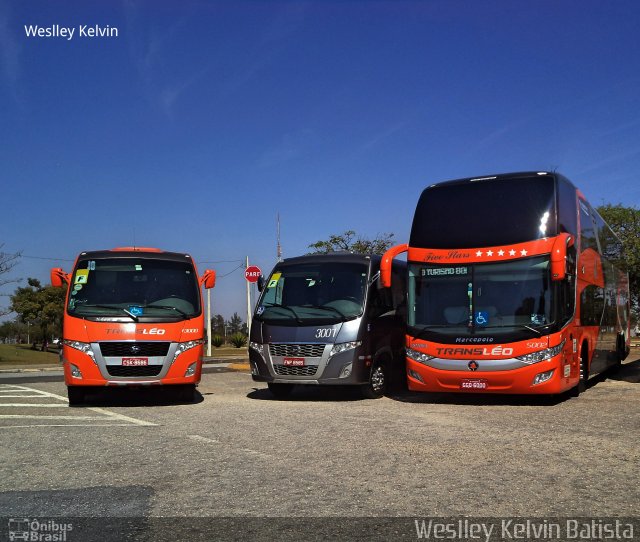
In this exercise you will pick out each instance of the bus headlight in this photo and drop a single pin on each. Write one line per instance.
(418, 356)
(543, 377)
(541, 355)
(75, 371)
(85, 348)
(345, 372)
(343, 347)
(257, 347)
(183, 347)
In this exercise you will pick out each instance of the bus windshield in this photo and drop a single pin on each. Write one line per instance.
(470, 299)
(313, 293)
(134, 288)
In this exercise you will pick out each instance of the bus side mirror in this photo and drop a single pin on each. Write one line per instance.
(58, 277)
(559, 256)
(261, 283)
(387, 262)
(208, 279)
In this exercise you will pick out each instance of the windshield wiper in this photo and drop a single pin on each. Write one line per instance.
(116, 307)
(295, 314)
(168, 307)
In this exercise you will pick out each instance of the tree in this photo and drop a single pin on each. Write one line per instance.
(625, 222)
(39, 305)
(236, 325)
(7, 263)
(217, 325)
(348, 241)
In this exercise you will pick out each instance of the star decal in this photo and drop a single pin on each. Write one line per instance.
(489, 252)
(523, 252)
(512, 252)
(501, 252)
(479, 253)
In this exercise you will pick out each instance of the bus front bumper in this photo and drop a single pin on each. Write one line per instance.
(548, 377)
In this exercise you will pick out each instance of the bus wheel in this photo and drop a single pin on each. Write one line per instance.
(76, 395)
(584, 374)
(278, 390)
(621, 349)
(377, 385)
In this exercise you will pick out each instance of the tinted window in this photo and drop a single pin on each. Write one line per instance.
(591, 306)
(588, 237)
(143, 287)
(485, 213)
(567, 215)
(314, 292)
(468, 298)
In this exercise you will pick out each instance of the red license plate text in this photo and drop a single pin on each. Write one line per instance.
(473, 384)
(135, 362)
(293, 362)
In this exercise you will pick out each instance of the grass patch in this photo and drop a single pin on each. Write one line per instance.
(22, 353)
(222, 351)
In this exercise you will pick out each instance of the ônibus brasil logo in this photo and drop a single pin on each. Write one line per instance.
(38, 530)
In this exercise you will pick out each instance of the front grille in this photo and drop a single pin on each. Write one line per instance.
(134, 348)
(123, 370)
(285, 370)
(298, 350)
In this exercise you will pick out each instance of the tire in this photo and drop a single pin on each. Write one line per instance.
(278, 390)
(621, 349)
(76, 395)
(378, 382)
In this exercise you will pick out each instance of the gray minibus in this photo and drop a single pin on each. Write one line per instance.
(326, 319)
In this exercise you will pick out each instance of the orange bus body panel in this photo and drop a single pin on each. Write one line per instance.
(106, 330)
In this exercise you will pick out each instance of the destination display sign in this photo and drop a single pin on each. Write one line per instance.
(444, 271)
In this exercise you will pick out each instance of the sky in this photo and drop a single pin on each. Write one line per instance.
(202, 120)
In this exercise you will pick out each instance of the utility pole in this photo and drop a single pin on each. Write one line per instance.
(278, 246)
(248, 301)
(209, 322)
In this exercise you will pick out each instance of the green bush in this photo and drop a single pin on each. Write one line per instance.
(217, 341)
(238, 340)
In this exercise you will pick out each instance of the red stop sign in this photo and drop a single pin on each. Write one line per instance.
(252, 273)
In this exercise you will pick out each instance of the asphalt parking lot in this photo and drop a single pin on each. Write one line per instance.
(324, 453)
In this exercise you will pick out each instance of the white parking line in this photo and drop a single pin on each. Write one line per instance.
(103, 414)
(31, 405)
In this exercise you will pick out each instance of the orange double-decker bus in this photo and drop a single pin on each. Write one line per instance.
(133, 317)
(516, 285)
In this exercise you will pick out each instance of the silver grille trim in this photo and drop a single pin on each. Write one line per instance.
(297, 350)
(286, 370)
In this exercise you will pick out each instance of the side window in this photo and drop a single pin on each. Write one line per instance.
(588, 238)
(567, 198)
(379, 301)
(591, 305)
(566, 300)
(273, 294)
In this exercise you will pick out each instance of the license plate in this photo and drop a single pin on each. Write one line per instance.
(135, 362)
(293, 362)
(474, 384)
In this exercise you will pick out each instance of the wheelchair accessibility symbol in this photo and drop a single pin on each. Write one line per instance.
(482, 318)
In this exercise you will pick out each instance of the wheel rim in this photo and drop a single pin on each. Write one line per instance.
(377, 379)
